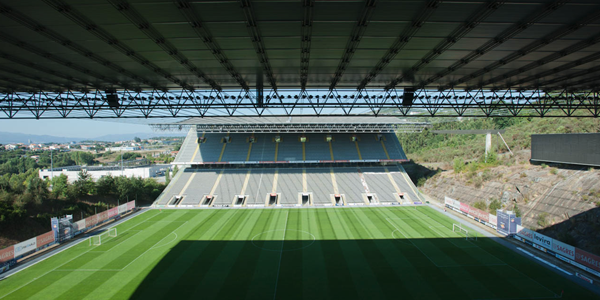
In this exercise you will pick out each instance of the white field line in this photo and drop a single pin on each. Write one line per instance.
(397, 229)
(70, 260)
(280, 255)
(544, 261)
(446, 266)
(151, 248)
(119, 270)
(555, 294)
(169, 242)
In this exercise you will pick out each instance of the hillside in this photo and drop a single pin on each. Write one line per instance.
(547, 197)
(419, 146)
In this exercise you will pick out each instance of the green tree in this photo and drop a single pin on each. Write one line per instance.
(84, 185)
(494, 205)
(60, 184)
(38, 189)
(106, 185)
(137, 139)
(459, 165)
(517, 211)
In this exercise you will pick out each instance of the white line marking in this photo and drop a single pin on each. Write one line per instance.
(151, 248)
(555, 294)
(36, 278)
(280, 255)
(167, 243)
(546, 262)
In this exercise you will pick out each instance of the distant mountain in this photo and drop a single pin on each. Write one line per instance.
(11, 137)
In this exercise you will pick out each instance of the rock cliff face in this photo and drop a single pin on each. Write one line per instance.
(545, 195)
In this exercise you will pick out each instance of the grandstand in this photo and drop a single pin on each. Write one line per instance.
(302, 161)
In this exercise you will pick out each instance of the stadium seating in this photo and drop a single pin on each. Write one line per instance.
(353, 184)
(316, 148)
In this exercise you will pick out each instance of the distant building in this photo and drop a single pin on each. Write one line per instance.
(96, 173)
(117, 149)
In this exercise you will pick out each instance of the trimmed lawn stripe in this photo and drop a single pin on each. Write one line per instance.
(308, 253)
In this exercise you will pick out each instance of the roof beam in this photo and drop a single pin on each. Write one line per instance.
(306, 36)
(9, 70)
(539, 43)
(38, 51)
(505, 35)
(55, 36)
(353, 41)
(259, 45)
(195, 21)
(566, 77)
(540, 62)
(143, 25)
(403, 39)
(18, 82)
(84, 22)
(473, 21)
(50, 71)
(573, 85)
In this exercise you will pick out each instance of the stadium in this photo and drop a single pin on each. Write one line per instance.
(292, 180)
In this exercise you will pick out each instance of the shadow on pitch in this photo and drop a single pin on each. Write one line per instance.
(342, 269)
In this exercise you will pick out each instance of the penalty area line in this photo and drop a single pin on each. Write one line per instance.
(70, 260)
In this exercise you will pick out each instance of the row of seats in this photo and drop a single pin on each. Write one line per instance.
(290, 186)
(240, 147)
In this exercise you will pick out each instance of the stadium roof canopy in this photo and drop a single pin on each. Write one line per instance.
(298, 124)
(110, 58)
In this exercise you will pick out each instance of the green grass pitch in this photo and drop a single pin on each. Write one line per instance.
(325, 253)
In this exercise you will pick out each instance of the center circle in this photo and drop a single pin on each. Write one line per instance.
(303, 240)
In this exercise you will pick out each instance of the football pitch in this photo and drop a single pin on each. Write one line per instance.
(324, 253)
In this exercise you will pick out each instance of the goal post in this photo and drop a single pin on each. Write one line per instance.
(460, 230)
(95, 240)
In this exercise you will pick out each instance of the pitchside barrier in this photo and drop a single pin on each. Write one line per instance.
(478, 215)
(10, 255)
(567, 253)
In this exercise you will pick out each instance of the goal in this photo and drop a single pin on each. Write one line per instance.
(460, 230)
(96, 240)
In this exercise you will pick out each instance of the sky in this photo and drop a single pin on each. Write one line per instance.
(79, 128)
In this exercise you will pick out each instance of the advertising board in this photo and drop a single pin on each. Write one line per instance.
(502, 222)
(587, 259)
(25, 247)
(44, 239)
(113, 212)
(525, 233)
(542, 240)
(479, 214)
(130, 205)
(464, 208)
(448, 201)
(7, 254)
(563, 249)
(102, 216)
(456, 203)
(492, 219)
(122, 208)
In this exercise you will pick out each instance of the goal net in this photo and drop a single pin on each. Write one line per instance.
(96, 240)
(463, 231)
